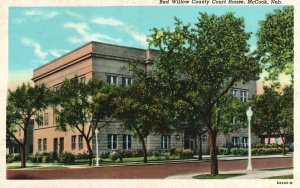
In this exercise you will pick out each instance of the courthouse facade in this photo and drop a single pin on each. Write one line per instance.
(109, 62)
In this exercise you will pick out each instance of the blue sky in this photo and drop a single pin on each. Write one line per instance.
(38, 35)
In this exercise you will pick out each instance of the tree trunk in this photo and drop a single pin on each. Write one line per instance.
(23, 146)
(89, 150)
(269, 139)
(23, 155)
(283, 141)
(144, 149)
(200, 147)
(213, 152)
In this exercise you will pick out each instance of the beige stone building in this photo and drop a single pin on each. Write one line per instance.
(108, 62)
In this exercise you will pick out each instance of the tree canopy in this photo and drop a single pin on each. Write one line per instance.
(275, 43)
(81, 106)
(199, 64)
(23, 105)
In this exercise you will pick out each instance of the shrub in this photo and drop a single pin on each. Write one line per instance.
(157, 154)
(114, 156)
(66, 158)
(138, 153)
(223, 151)
(184, 153)
(172, 151)
(46, 159)
(127, 153)
(39, 159)
(9, 158)
(104, 154)
(82, 156)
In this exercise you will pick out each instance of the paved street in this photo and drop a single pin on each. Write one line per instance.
(148, 171)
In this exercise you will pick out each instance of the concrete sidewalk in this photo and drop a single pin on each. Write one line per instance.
(254, 174)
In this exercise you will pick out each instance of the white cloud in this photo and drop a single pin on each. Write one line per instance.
(136, 35)
(74, 14)
(58, 53)
(18, 20)
(34, 12)
(107, 21)
(86, 35)
(141, 38)
(38, 14)
(36, 46)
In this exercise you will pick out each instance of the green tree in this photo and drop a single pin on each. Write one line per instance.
(23, 105)
(199, 64)
(273, 113)
(142, 111)
(276, 42)
(83, 107)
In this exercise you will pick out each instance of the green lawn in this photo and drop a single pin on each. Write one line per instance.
(282, 177)
(275, 169)
(129, 160)
(220, 176)
(19, 167)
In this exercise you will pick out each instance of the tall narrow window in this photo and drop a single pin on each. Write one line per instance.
(235, 141)
(112, 142)
(73, 142)
(80, 142)
(39, 144)
(82, 79)
(165, 142)
(112, 79)
(245, 141)
(46, 120)
(126, 141)
(61, 145)
(126, 81)
(244, 96)
(45, 144)
(55, 118)
(55, 144)
(234, 92)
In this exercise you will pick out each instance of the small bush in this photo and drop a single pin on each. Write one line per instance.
(46, 159)
(82, 156)
(9, 158)
(66, 158)
(128, 153)
(138, 153)
(172, 151)
(157, 154)
(114, 156)
(104, 154)
(184, 153)
(223, 151)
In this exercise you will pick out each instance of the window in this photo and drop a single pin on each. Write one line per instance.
(165, 142)
(82, 80)
(244, 96)
(73, 141)
(127, 141)
(56, 88)
(55, 144)
(235, 141)
(126, 81)
(61, 145)
(80, 143)
(46, 122)
(112, 141)
(39, 144)
(55, 118)
(245, 141)
(112, 79)
(234, 92)
(233, 120)
(45, 144)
